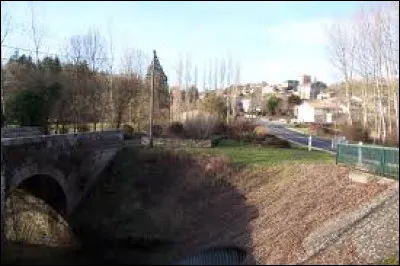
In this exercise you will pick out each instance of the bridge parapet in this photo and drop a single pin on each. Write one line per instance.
(73, 160)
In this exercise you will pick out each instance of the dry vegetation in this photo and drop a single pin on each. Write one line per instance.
(154, 206)
(196, 202)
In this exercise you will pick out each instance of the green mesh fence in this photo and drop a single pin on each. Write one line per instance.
(375, 159)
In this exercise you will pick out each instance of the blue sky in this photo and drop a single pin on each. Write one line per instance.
(273, 41)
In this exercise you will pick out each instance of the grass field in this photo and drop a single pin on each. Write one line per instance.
(250, 155)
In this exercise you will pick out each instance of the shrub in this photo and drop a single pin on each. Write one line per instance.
(215, 140)
(260, 132)
(63, 130)
(128, 131)
(355, 132)
(201, 126)
(221, 128)
(176, 129)
(157, 130)
(391, 140)
(240, 128)
(214, 104)
(83, 128)
(276, 142)
(315, 128)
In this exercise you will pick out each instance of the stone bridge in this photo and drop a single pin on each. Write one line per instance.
(59, 169)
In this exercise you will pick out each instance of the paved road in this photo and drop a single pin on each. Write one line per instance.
(284, 132)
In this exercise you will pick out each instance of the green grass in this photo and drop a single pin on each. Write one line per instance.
(304, 130)
(252, 155)
(393, 260)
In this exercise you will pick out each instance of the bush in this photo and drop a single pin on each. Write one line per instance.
(176, 129)
(83, 128)
(63, 130)
(391, 140)
(215, 140)
(200, 127)
(157, 130)
(276, 142)
(260, 132)
(355, 133)
(221, 128)
(241, 129)
(128, 131)
(214, 104)
(315, 128)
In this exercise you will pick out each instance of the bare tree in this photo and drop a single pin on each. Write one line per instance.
(236, 70)
(210, 74)
(188, 81)
(179, 71)
(75, 54)
(36, 30)
(5, 31)
(342, 51)
(204, 77)
(133, 66)
(231, 93)
(366, 53)
(94, 53)
(126, 87)
(215, 74)
(110, 73)
(5, 22)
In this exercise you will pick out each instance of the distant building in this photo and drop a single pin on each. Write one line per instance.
(268, 89)
(308, 90)
(317, 111)
(290, 85)
(245, 104)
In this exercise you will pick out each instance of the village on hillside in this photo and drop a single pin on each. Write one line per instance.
(307, 101)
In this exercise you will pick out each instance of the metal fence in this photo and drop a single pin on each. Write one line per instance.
(374, 159)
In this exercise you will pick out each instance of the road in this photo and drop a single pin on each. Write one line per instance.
(294, 136)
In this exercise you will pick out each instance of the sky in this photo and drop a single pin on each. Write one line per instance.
(271, 41)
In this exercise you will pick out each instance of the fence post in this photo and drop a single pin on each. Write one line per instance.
(360, 153)
(337, 152)
(383, 162)
(309, 143)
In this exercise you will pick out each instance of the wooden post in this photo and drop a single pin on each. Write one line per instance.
(309, 143)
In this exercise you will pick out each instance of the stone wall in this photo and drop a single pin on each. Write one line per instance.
(65, 141)
(18, 132)
(175, 142)
(73, 160)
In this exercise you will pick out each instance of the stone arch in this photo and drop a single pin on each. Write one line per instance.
(47, 183)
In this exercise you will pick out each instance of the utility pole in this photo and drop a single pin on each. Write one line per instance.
(152, 100)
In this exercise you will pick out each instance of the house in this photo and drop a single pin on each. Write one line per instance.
(325, 95)
(290, 85)
(317, 111)
(308, 90)
(268, 89)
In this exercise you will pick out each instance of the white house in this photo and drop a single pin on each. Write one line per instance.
(316, 111)
(268, 89)
(246, 105)
(304, 91)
